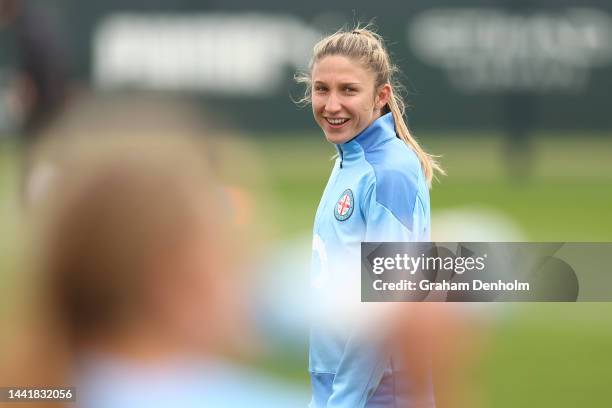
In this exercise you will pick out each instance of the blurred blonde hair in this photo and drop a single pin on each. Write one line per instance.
(118, 205)
(364, 45)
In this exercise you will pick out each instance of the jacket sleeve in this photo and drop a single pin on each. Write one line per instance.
(397, 216)
(360, 371)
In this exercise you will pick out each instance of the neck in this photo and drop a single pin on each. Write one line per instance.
(142, 345)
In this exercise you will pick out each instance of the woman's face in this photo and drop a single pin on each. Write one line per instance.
(344, 98)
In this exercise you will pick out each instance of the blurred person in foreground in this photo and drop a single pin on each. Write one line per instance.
(137, 299)
(440, 341)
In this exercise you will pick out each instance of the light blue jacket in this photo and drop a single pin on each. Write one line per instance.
(107, 381)
(377, 192)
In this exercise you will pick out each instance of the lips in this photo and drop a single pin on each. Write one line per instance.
(336, 122)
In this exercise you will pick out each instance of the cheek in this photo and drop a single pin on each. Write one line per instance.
(368, 103)
(317, 104)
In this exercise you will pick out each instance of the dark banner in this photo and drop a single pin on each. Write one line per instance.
(466, 65)
(486, 272)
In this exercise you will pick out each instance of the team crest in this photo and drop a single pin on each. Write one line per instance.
(345, 205)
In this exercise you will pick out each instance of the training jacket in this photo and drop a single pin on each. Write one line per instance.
(377, 192)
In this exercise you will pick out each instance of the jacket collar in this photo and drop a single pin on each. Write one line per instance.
(379, 131)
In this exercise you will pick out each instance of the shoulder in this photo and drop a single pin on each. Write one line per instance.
(397, 179)
(193, 384)
(394, 158)
(394, 166)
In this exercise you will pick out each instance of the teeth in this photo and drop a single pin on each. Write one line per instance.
(336, 121)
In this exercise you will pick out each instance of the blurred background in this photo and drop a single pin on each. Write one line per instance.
(513, 95)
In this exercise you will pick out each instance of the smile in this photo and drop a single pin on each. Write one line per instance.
(336, 122)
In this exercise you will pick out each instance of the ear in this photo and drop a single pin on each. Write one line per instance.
(383, 95)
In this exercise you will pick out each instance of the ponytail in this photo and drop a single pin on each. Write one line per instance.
(428, 162)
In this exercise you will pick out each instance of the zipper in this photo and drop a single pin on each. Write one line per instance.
(327, 193)
(341, 155)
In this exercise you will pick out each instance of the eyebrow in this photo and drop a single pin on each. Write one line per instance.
(341, 84)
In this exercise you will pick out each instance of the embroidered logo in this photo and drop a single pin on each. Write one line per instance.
(345, 205)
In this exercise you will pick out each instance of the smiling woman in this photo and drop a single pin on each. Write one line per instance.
(378, 191)
(342, 98)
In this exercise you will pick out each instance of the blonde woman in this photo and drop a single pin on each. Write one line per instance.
(378, 191)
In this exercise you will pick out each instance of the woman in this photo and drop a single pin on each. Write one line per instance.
(138, 301)
(377, 191)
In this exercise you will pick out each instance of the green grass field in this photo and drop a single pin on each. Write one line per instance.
(540, 355)
(568, 198)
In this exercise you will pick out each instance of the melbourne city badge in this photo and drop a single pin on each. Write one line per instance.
(345, 205)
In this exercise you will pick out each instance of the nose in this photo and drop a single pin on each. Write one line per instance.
(332, 105)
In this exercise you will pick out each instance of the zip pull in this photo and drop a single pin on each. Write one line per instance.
(341, 155)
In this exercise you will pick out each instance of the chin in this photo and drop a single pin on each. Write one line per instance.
(337, 138)
(334, 139)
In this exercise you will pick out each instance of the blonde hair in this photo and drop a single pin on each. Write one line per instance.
(118, 201)
(366, 46)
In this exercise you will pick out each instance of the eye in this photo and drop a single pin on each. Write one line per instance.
(349, 89)
(320, 88)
